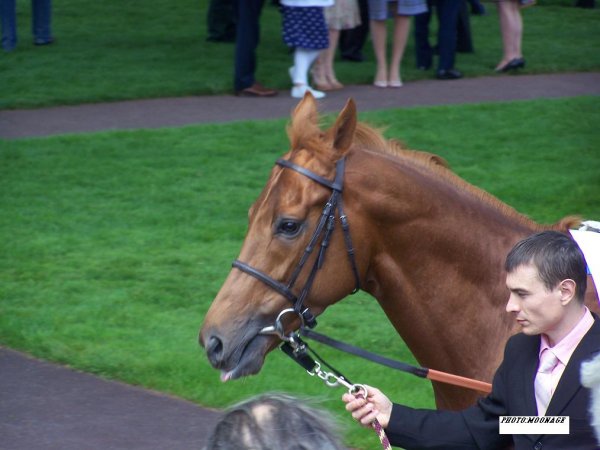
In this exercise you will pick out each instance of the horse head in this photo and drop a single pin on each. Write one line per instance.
(268, 274)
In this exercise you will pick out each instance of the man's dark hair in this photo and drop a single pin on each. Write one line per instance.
(555, 255)
(274, 421)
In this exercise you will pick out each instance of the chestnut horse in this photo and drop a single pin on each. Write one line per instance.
(428, 246)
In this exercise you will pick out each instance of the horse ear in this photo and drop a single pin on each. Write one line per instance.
(341, 134)
(306, 111)
(305, 121)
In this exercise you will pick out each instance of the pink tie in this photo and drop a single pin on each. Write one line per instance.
(543, 380)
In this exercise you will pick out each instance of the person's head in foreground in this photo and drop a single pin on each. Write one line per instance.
(274, 421)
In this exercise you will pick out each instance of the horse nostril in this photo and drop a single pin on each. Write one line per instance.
(214, 350)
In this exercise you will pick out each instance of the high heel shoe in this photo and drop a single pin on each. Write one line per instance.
(513, 64)
(319, 81)
(335, 84)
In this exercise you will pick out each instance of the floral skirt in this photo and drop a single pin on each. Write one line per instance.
(305, 27)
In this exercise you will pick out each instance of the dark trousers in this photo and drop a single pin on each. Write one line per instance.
(447, 12)
(41, 14)
(352, 41)
(464, 41)
(247, 39)
(220, 20)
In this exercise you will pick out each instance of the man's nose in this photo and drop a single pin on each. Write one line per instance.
(512, 305)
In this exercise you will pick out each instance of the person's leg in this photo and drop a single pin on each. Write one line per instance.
(8, 15)
(464, 40)
(379, 36)
(352, 41)
(220, 21)
(329, 59)
(318, 72)
(247, 38)
(401, 31)
(41, 20)
(447, 11)
(303, 59)
(423, 50)
(511, 27)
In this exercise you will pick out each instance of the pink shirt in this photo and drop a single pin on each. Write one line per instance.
(565, 348)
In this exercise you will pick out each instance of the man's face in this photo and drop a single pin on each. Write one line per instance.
(536, 309)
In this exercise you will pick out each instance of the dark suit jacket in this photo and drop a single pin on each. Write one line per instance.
(512, 395)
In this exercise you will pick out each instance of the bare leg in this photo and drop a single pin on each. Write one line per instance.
(329, 57)
(318, 72)
(379, 36)
(401, 31)
(511, 27)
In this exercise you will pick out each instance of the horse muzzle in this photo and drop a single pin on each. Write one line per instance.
(236, 357)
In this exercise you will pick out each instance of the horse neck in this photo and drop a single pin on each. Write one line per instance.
(435, 263)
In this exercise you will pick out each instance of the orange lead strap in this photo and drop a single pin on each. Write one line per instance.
(456, 380)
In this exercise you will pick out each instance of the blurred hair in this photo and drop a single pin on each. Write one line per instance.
(275, 422)
(590, 378)
(555, 255)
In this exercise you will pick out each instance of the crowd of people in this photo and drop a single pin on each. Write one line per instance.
(314, 29)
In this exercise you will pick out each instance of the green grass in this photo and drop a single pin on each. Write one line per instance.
(114, 50)
(114, 244)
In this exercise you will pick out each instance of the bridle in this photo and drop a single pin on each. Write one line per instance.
(293, 345)
(323, 230)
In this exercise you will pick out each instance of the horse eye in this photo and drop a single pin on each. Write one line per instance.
(289, 228)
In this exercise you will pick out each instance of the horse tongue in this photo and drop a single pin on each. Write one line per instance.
(226, 376)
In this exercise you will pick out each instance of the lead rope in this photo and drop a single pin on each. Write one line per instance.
(298, 350)
(385, 442)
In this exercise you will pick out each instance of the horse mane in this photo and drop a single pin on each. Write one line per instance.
(304, 131)
(372, 139)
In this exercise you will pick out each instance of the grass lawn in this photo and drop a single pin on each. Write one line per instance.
(115, 243)
(115, 50)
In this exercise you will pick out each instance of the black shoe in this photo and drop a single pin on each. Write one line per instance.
(48, 41)
(513, 64)
(449, 74)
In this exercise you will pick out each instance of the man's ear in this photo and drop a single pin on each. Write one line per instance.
(567, 290)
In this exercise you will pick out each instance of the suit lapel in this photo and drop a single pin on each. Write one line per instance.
(570, 382)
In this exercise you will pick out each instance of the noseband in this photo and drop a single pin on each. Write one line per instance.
(324, 228)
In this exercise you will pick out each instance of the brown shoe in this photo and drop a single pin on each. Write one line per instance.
(256, 90)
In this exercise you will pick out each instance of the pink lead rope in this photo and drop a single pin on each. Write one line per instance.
(385, 442)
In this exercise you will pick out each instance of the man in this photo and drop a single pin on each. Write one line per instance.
(448, 13)
(546, 277)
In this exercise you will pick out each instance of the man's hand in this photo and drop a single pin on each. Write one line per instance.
(375, 406)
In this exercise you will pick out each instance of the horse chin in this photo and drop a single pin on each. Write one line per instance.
(251, 359)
